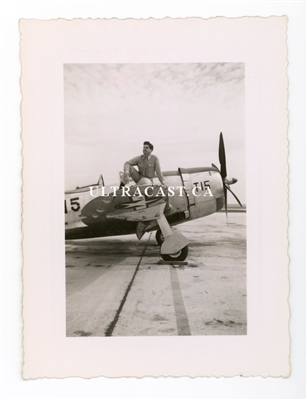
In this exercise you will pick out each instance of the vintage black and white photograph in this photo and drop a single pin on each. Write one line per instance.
(155, 199)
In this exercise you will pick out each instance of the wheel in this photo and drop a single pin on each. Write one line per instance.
(181, 255)
(159, 237)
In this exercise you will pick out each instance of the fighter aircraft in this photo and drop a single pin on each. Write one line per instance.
(191, 193)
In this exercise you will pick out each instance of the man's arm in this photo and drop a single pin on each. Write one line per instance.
(132, 162)
(158, 172)
(127, 165)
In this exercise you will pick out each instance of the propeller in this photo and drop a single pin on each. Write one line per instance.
(222, 157)
(223, 172)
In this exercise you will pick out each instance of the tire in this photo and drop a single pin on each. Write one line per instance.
(181, 255)
(159, 237)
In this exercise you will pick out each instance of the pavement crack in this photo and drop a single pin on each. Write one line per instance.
(112, 325)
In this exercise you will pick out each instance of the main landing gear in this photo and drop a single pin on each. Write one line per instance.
(179, 255)
(173, 245)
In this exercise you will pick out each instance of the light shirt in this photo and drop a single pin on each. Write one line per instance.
(148, 166)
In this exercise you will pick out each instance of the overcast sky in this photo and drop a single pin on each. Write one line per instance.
(110, 109)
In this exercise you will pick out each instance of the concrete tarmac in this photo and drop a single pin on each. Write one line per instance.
(115, 286)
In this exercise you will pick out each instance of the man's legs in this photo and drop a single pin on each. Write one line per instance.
(144, 181)
(133, 173)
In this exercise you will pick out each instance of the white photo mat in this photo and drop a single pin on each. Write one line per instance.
(258, 42)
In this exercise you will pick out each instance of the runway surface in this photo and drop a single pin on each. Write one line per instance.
(115, 286)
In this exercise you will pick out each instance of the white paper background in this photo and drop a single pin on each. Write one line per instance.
(11, 274)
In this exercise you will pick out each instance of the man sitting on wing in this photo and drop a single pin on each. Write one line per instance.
(147, 164)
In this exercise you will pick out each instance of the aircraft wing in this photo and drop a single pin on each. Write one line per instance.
(135, 204)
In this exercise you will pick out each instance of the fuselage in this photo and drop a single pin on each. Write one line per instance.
(193, 193)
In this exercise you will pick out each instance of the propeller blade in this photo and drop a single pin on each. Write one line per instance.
(225, 197)
(222, 157)
(228, 188)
